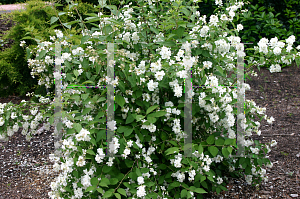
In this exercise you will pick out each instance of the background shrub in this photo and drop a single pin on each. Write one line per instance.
(33, 22)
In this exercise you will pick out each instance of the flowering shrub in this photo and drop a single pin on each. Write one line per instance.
(149, 105)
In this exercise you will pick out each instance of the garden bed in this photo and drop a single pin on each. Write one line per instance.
(278, 92)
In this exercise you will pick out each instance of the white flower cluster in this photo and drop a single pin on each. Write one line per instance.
(84, 135)
(164, 52)
(177, 161)
(152, 85)
(59, 34)
(114, 145)
(176, 88)
(77, 51)
(151, 127)
(141, 69)
(275, 68)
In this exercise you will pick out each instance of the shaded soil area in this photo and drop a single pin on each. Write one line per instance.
(24, 165)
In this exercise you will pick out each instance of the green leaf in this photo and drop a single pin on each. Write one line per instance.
(67, 26)
(158, 114)
(104, 182)
(90, 151)
(53, 20)
(229, 142)
(185, 11)
(90, 188)
(173, 142)
(213, 150)
(219, 141)
(94, 181)
(219, 69)
(200, 190)
(138, 172)
(107, 194)
(179, 32)
(210, 139)
(152, 120)
(114, 181)
(229, 149)
(86, 111)
(121, 85)
(150, 109)
(154, 30)
(120, 100)
(139, 118)
(129, 119)
(128, 131)
(41, 54)
(200, 149)
(107, 29)
(183, 193)
(85, 38)
(117, 195)
(61, 13)
(77, 127)
(122, 191)
(225, 152)
(167, 43)
(174, 184)
(172, 150)
(132, 81)
(138, 93)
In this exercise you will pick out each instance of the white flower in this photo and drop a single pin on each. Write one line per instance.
(249, 179)
(126, 37)
(224, 17)
(207, 64)
(290, 40)
(219, 180)
(135, 38)
(165, 53)
(273, 143)
(214, 20)
(275, 68)
(254, 150)
(181, 74)
(206, 168)
(152, 85)
(270, 121)
(15, 127)
(178, 90)
(239, 27)
(83, 135)
(141, 191)
(13, 115)
(22, 43)
(59, 33)
(273, 42)
(204, 31)
(81, 161)
(112, 125)
(159, 75)
(1, 121)
(140, 180)
(277, 51)
(170, 104)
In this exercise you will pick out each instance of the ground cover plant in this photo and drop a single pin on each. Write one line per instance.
(210, 66)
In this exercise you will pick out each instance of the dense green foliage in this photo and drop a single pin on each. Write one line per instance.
(263, 19)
